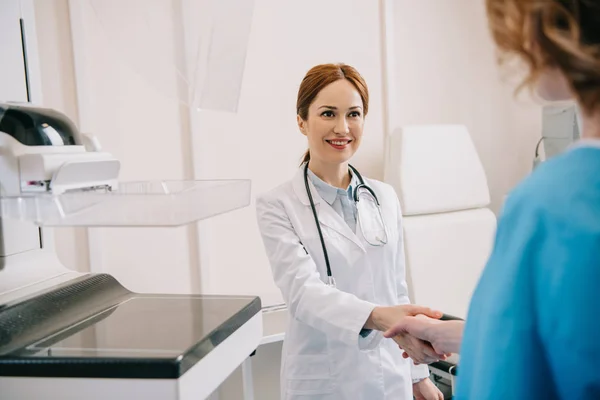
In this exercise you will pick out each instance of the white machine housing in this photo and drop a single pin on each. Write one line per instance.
(29, 171)
(56, 168)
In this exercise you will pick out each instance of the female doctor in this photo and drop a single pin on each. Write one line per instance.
(334, 242)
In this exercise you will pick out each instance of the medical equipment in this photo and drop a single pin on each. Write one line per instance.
(66, 334)
(59, 323)
(561, 127)
(369, 204)
(537, 159)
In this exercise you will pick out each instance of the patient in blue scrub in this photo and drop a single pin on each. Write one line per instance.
(533, 328)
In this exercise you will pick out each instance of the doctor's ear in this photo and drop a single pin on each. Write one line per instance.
(301, 124)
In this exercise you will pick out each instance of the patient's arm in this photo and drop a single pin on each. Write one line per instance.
(444, 336)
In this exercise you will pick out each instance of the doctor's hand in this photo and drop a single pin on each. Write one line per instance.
(418, 350)
(383, 318)
(426, 390)
(444, 336)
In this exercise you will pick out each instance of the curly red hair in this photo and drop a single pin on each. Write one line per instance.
(562, 34)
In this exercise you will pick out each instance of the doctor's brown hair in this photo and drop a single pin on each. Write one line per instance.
(322, 75)
(562, 34)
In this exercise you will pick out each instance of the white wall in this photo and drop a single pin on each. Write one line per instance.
(444, 71)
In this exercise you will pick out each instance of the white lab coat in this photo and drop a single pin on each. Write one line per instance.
(324, 357)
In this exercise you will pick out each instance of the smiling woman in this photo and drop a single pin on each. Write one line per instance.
(313, 232)
(315, 91)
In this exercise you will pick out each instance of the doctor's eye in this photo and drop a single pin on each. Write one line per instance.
(327, 114)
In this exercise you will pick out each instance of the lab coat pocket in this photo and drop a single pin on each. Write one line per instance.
(309, 375)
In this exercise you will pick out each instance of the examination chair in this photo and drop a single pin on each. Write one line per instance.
(448, 229)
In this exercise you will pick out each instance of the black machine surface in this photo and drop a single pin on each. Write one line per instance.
(94, 327)
(34, 126)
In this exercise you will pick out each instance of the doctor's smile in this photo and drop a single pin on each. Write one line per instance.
(339, 144)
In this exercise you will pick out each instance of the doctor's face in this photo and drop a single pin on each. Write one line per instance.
(335, 122)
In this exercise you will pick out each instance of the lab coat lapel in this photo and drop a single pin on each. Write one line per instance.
(326, 214)
(331, 219)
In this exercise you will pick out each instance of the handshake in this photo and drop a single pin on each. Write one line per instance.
(418, 331)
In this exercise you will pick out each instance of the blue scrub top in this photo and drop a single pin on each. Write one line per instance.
(533, 328)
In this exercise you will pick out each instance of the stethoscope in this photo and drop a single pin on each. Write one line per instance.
(379, 241)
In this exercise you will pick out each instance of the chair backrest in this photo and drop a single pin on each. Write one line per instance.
(448, 228)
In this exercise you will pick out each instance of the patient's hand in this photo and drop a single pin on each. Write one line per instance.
(420, 351)
(383, 318)
(444, 336)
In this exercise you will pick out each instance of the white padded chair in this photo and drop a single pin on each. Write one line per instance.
(448, 228)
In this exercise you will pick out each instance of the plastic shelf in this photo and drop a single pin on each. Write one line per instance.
(151, 203)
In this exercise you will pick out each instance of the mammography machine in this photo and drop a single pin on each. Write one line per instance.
(70, 335)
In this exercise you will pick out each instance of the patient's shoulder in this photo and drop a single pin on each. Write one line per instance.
(565, 188)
